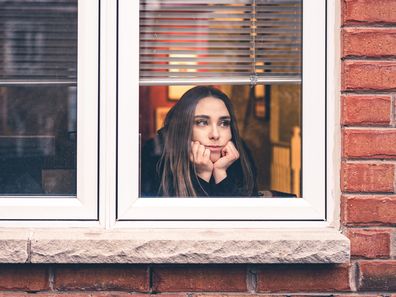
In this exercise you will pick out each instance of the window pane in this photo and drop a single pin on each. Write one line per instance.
(38, 140)
(38, 97)
(229, 45)
(269, 123)
(198, 40)
(38, 40)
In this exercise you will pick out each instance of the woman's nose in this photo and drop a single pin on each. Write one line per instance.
(214, 133)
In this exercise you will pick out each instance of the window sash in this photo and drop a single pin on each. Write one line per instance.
(83, 206)
(313, 204)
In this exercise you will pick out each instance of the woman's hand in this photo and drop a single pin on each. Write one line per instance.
(200, 156)
(229, 154)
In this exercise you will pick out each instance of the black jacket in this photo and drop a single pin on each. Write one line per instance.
(150, 177)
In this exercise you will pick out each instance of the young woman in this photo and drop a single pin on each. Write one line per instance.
(198, 152)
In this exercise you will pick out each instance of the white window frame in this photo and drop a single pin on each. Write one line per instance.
(83, 211)
(316, 208)
(83, 206)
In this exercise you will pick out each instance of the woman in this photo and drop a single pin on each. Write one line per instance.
(198, 152)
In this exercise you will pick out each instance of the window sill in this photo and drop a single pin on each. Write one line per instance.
(174, 246)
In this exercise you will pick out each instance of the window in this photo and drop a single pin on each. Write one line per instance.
(59, 93)
(48, 109)
(50, 80)
(192, 70)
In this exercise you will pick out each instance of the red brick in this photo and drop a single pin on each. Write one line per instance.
(377, 275)
(368, 75)
(368, 11)
(378, 42)
(303, 278)
(369, 144)
(239, 295)
(102, 277)
(370, 243)
(197, 279)
(27, 277)
(367, 177)
(369, 210)
(366, 110)
(357, 295)
(88, 294)
(63, 294)
(299, 295)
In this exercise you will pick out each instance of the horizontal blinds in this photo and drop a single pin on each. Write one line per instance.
(198, 41)
(38, 41)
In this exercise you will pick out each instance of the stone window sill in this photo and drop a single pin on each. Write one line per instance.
(174, 246)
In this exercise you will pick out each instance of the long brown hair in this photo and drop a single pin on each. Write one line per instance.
(177, 170)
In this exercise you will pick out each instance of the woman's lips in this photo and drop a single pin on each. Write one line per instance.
(215, 148)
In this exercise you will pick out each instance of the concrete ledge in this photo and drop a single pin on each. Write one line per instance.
(176, 246)
(14, 246)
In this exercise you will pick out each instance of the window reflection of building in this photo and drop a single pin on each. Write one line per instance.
(25, 48)
(38, 72)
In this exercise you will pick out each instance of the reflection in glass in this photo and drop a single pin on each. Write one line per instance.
(38, 40)
(38, 140)
(38, 97)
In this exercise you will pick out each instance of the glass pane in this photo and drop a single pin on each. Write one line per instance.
(38, 140)
(224, 44)
(38, 40)
(38, 97)
(269, 123)
(207, 39)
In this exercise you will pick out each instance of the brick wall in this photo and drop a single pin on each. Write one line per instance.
(368, 184)
(368, 120)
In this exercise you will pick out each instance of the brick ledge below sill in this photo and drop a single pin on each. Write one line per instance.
(174, 246)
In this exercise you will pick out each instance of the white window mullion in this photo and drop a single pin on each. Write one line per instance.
(108, 91)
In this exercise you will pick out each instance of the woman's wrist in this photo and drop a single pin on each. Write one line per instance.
(205, 176)
(219, 175)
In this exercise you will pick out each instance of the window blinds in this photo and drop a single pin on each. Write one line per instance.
(220, 41)
(38, 41)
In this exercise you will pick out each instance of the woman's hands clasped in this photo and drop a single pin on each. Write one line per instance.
(205, 168)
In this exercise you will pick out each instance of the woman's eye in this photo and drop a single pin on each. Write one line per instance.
(225, 123)
(201, 122)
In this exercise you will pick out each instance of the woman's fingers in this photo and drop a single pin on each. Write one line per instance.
(199, 153)
(200, 157)
(233, 150)
(207, 154)
(194, 151)
(230, 152)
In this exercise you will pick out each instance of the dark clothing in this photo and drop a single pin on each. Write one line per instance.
(231, 186)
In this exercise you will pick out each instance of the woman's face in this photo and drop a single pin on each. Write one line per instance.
(212, 125)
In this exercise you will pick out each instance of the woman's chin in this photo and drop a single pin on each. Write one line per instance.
(214, 156)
